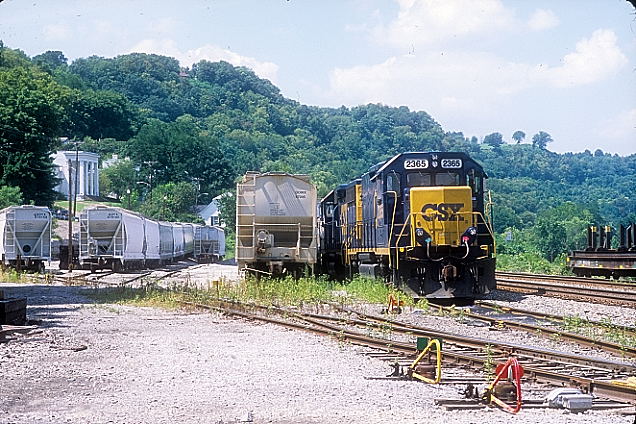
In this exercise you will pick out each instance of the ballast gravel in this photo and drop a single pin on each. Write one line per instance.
(119, 364)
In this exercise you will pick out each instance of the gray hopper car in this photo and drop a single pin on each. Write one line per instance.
(275, 223)
(25, 237)
(119, 239)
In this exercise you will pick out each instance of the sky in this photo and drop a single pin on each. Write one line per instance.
(567, 67)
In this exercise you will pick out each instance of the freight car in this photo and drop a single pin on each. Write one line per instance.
(417, 220)
(119, 239)
(209, 243)
(600, 259)
(25, 237)
(275, 223)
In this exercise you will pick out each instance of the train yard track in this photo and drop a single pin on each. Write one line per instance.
(543, 328)
(593, 375)
(586, 289)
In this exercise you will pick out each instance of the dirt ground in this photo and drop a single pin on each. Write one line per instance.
(101, 363)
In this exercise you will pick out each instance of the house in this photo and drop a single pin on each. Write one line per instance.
(85, 175)
(211, 213)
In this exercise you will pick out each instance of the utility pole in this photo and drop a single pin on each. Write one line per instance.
(72, 203)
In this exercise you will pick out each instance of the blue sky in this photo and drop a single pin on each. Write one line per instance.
(565, 67)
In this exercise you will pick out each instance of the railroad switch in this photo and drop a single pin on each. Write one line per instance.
(394, 304)
(509, 390)
(428, 373)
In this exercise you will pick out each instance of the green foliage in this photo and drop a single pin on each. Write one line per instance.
(10, 196)
(518, 136)
(541, 139)
(171, 202)
(494, 139)
(30, 117)
(119, 179)
(181, 151)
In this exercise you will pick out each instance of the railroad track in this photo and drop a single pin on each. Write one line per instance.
(552, 317)
(622, 294)
(567, 279)
(591, 374)
(544, 330)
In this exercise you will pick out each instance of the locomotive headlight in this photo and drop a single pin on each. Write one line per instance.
(419, 232)
(469, 235)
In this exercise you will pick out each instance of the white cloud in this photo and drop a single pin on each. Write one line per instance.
(422, 22)
(543, 19)
(268, 70)
(622, 126)
(595, 58)
(57, 32)
(452, 79)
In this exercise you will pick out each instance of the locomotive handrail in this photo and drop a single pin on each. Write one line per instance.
(412, 214)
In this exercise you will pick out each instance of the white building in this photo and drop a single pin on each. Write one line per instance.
(211, 213)
(87, 183)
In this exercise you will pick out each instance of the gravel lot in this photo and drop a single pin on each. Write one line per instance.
(144, 365)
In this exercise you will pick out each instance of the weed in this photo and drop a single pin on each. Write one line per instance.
(489, 363)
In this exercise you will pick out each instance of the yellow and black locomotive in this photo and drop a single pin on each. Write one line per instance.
(418, 220)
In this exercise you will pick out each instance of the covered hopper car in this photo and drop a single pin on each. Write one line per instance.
(25, 237)
(275, 223)
(119, 239)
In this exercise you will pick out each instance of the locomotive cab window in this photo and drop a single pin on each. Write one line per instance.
(393, 182)
(329, 210)
(418, 179)
(447, 179)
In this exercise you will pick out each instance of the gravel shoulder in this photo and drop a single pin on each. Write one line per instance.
(145, 365)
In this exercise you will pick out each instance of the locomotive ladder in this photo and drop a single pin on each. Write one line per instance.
(245, 201)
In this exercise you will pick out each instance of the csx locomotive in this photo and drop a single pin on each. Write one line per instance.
(418, 220)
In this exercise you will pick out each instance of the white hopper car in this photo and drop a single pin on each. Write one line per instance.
(25, 237)
(275, 223)
(119, 239)
(209, 243)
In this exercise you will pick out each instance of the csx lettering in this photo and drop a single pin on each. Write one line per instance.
(445, 211)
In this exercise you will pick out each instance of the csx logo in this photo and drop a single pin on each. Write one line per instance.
(445, 211)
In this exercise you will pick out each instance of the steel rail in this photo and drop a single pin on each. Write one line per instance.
(623, 298)
(463, 341)
(604, 388)
(552, 317)
(544, 331)
(566, 279)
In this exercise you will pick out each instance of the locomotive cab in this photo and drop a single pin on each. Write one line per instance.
(418, 220)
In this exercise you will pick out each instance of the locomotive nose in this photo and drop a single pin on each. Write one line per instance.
(441, 215)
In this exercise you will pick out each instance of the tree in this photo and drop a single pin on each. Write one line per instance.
(518, 136)
(50, 60)
(10, 196)
(180, 151)
(171, 202)
(119, 178)
(495, 140)
(541, 140)
(551, 238)
(30, 116)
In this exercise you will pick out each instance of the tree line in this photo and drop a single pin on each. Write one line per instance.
(184, 135)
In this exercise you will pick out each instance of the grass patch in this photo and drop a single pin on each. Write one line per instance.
(11, 276)
(266, 291)
(81, 204)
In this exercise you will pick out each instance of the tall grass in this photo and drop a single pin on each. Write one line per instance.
(265, 291)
